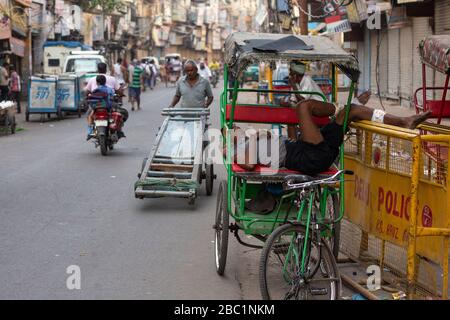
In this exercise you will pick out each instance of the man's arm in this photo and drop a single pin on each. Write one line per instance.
(89, 85)
(209, 94)
(177, 97)
(175, 100)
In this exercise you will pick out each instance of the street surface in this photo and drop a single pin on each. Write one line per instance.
(63, 204)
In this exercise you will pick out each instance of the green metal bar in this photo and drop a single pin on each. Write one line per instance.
(279, 209)
(233, 103)
(342, 151)
(333, 83)
(242, 197)
(228, 166)
(308, 221)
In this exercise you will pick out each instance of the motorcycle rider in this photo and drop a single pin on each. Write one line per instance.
(92, 85)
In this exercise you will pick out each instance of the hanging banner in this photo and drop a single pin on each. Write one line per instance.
(337, 21)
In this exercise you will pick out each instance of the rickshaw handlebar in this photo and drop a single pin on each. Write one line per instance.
(301, 181)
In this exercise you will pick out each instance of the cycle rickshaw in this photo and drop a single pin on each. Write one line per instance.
(435, 53)
(297, 261)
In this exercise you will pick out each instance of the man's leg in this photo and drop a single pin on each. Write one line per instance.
(90, 122)
(138, 100)
(358, 112)
(305, 111)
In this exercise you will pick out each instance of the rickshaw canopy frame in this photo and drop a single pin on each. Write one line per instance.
(244, 48)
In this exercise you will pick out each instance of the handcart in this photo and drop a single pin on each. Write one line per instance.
(7, 117)
(300, 233)
(176, 166)
(68, 94)
(42, 97)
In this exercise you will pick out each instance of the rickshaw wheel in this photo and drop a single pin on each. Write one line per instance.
(27, 116)
(209, 179)
(332, 213)
(221, 227)
(279, 273)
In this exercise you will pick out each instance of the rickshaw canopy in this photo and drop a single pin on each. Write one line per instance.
(435, 52)
(245, 48)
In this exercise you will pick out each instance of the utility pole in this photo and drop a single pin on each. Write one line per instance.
(303, 4)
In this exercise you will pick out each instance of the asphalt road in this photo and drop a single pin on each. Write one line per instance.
(62, 204)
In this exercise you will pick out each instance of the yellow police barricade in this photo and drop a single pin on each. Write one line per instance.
(398, 208)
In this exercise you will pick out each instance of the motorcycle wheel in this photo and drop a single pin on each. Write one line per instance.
(103, 145)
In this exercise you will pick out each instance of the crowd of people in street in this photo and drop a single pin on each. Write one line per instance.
(10, 84)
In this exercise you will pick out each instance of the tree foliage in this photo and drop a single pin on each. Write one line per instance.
(107, 6)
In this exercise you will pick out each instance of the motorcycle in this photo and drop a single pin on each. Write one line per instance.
(108, 124)
(214, 78)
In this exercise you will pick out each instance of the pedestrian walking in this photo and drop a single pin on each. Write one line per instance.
(151, 74)
(119, 72)
(15, 87)
(4, 81)
(136, 84)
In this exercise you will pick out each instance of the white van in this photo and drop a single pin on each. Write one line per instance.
(82, 62)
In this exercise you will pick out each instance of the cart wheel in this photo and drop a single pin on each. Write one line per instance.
(7, 122)
(59, 114)
(221, 227)
(209, 179)
(27, 116)
(13, 124)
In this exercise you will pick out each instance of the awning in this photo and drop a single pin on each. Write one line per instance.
(26, 3)
(244, 48)
(17, 47)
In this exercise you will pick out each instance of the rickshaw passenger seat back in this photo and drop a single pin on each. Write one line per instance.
(269, 114)
(435, 107)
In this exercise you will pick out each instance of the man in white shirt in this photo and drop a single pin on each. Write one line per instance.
(110, 81)
(119, 72)
(204, 71)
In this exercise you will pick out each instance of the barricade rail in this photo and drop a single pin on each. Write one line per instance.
(398, 208)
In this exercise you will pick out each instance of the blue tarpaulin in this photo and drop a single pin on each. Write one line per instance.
(67, 44)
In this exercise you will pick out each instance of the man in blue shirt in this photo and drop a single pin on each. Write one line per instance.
(103, 94)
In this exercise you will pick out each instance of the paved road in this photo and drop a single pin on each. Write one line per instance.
(63, 204)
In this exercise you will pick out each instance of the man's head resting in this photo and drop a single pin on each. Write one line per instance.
(297, 67)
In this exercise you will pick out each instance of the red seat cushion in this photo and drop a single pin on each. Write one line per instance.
(269, 114)
(435, 107)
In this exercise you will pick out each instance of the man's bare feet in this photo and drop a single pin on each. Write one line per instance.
(413, 121)
(364, 97)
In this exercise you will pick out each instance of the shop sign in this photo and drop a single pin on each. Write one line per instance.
(337, 19)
